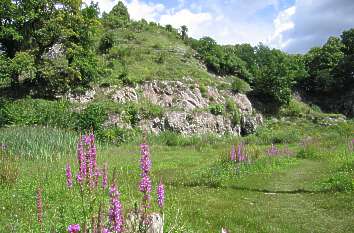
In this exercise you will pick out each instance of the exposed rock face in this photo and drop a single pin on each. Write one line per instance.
(249, 123)
(83, 98)
(199, 123)
(125, 94)
(186, 110)
(54, 52)
(173, 94)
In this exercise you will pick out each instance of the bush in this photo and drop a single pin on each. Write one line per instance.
(116, 135)
(240, 86)
(37, 112)
(149, 110)
(91, 118)
(203, 90)
(216, 109)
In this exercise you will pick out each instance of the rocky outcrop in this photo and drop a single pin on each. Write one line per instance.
(199, 123)
(173, 94)
(249, 123)
(186, 110)
(124, 95)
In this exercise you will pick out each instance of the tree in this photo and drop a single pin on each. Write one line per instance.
(118, 17)
(169, 27)
(30, 28)
(273, 78)
(348, 41)
(184, 31)
(320, 64)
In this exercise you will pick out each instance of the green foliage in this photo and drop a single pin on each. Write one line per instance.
(234, 111)
(341, 180)
(203, 90)
(348, 41)
(5, 74)
(91, 118)
(331, 66)
(9, 168)
(216, 109)
(36, 112)
(38, 142)
(240, 86)
(273, 78)
(221, 60)
(32, 27)
(116, 135)
(22, 65)
(184, 31)
(118, 17)
(106, 42)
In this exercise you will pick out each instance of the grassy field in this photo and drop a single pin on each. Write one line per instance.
(309, 190)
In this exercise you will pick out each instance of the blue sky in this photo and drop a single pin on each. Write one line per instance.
(291, 25)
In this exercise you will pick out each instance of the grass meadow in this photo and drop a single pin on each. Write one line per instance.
(310, 188)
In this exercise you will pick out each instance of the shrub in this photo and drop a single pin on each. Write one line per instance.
(91, 118)
(149, 110)
(203, 90)
(116, 135)
(240, 86)
(216, 109)
(36, 111)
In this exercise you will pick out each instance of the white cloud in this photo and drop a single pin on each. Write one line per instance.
(282, 23)
(204, 17)
(306, 24)
(311, 24)
(185, 17)
(141, 10)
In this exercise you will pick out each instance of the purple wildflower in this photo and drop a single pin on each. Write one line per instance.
(145, 161)
(160, 194)
(115, 211)
(69, 180)
(39, 206)
(73, 228)
(272, 150)
(105, 230)
(105, 176)
(233, 153)
(240, 153)
(145, 184)
(79, 178)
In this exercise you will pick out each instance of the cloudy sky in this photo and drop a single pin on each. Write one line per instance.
(291, 25)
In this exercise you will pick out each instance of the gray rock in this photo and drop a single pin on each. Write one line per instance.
(173, 94)
(116, 121)
(56, 51)
(125, 94)
(249, 123)
(134, 219)
(199, 123)
(82, 98)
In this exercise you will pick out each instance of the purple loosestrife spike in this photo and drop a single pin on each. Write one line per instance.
(233, 153)
(115, 211)
(145, 184)
(79, 178)
(69, 180)
(145, 161)
(39, 206)
(160, 194)
(105, 176)
(105, 230)
(73, 228)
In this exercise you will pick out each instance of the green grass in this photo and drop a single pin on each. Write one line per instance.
(282, 194)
